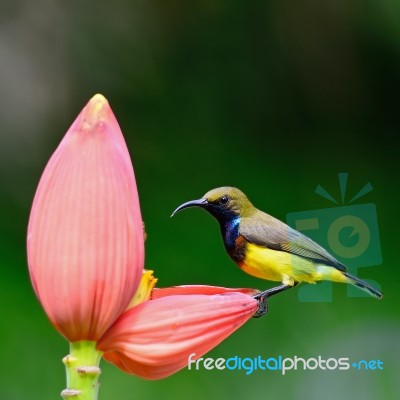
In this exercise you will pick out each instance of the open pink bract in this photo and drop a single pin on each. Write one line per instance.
(85, 236)
(154, 339)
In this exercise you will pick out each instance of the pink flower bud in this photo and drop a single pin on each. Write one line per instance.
(85, 236)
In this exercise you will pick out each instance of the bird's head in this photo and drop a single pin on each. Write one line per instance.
(223, 203)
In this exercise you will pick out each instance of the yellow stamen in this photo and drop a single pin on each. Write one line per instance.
(144, 290)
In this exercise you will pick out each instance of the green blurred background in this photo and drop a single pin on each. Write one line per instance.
(272, 97)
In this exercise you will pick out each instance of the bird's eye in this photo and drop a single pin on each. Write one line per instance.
(224, 200)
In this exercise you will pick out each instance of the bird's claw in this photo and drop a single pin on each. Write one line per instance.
(263, 296)
(262, 304)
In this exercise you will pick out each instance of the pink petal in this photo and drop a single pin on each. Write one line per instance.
(154, 339)
(197, 289)
(85, 236)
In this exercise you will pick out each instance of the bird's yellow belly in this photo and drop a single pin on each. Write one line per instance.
(276, 265)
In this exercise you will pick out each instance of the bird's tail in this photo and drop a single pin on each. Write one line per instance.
(363, 285)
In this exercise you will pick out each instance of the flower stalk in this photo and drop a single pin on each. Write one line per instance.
(83, 371)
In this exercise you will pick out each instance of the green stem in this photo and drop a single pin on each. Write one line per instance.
(82, 367)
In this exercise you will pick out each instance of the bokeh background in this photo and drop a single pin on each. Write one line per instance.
(274, 97)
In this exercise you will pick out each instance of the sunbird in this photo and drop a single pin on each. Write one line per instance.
(267, 248)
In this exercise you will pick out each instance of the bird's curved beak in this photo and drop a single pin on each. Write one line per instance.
(192, 203)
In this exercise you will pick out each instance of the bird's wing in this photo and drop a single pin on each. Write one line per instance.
(264, 230)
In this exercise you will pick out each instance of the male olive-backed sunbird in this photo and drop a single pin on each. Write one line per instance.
(267, 248)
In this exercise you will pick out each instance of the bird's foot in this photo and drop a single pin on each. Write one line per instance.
(262, 305)
(262, 298)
